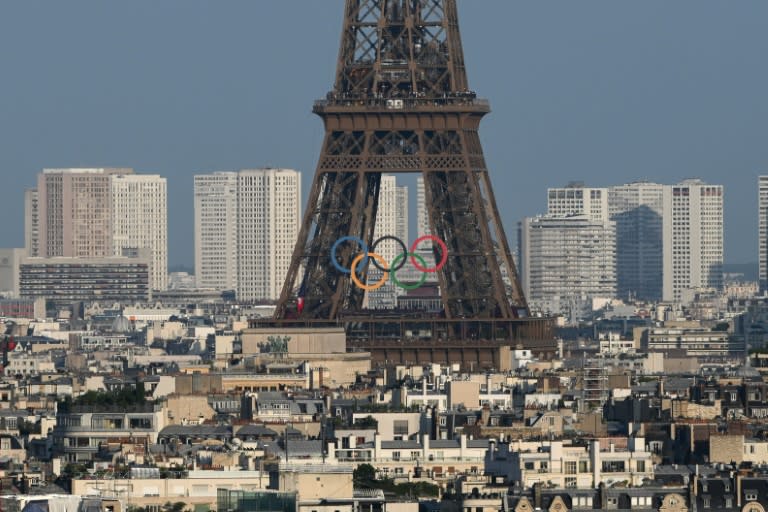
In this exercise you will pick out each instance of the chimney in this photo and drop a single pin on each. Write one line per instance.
(537, 495)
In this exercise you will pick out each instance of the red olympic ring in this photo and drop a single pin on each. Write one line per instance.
(443, 251)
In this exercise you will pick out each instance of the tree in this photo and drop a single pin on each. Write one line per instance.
(368, 422)
(364, 474)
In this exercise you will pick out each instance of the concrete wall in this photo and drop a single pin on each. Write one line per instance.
(180, 408)
(465, 393)
(301, 341)
(726, 448)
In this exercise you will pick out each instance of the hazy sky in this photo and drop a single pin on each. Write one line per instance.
(599, 91)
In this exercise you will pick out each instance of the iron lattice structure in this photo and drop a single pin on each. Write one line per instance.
(401, 104)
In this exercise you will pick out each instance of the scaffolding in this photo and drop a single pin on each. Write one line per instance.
(594, 384)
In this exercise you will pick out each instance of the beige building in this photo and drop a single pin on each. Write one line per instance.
(728, 448)
(10, 260)
(140, 221)
(321, 352)
(99, 213)
(198, 488)
(74, 211)
(582, 467)
(246, 224)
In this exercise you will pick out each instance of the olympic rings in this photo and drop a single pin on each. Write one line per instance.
(361, 260)
(443, 250)
(404, 256)
(375, 286)
(394, 267)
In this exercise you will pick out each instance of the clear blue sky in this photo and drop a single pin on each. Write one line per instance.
(599, 91)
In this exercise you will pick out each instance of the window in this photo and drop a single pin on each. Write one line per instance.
(570, 467)
(583, 466)
(528, 465)
(641, 466)
(401, 427)
(396, 455)
(570, 482)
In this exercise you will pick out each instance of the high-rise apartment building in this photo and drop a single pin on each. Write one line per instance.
(391, 220)
(669, 238)
(391, 216)
(762, 212)
(75, 212)
(638, 210)
(216, 230)
(422, 222)
(99, 213)
(31, 223)
(576, 199)
(140, 221)
(268, 216)
(566, 261)
(693, 237)
(246, 225)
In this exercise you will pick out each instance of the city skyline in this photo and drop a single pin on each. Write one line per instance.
(676, 94)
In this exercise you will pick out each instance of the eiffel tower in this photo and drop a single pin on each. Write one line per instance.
(401, 103)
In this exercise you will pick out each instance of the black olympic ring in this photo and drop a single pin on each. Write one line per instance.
(402, 261)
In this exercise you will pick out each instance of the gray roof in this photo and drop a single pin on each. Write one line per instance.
(196, 430)
(444, 443)
(255, 431)
(391, 445)
(478, 443)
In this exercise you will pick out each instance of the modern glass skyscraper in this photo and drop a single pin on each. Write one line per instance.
(637, 209)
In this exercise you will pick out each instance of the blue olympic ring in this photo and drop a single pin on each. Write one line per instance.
(340, 241)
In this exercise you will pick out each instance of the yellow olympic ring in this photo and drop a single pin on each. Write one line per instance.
(375, 286)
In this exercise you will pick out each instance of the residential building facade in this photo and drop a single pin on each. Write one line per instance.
(762, 215)
(575, 199)
(216, 230)
(140, 221)
(565, 262)
(693, 238)
(247, 223)
(92, 213)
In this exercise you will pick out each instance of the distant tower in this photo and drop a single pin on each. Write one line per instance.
(391, 219)
(693, 237)
(401, 104)
(31, 223)
(638, 211)
(246, 223)
(268, 213)
(763, 231)
(74, 212)
(140, 221)
(216, 230)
